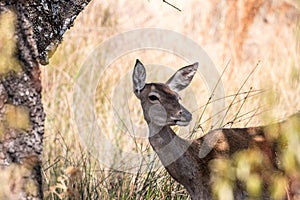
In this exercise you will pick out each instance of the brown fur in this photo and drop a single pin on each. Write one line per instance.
(189, 161)
(194, 172)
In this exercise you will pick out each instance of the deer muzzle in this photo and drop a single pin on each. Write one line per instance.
(183, 117)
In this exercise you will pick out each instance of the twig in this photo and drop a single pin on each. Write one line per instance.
(247, 78)
(240, 108)
(231, 95)
(212, 93)
(226, 108)
(172, 5)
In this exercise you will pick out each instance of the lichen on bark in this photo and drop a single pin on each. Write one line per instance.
(29, 31)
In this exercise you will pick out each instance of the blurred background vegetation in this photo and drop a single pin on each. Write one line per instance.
(239, 34)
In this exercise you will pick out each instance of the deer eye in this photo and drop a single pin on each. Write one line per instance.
(153, 97)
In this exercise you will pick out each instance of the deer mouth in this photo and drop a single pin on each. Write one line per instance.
(181, 122)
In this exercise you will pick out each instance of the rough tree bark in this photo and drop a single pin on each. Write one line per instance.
(29, 33)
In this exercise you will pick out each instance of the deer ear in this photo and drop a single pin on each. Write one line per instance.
(138, 77)
(182, 78)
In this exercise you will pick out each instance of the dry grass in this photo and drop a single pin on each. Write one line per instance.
(268, 34)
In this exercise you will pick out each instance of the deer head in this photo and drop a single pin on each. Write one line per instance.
(160, 101)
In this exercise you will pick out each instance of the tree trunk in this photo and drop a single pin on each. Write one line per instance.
(29, 34)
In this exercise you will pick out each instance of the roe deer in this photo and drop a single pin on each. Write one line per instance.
(184, 159)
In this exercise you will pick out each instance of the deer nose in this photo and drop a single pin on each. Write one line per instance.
(183, 113)
(188, 116)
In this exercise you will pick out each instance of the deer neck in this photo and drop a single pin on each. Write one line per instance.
(160, 136)
(176, 156)
(168, 146)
